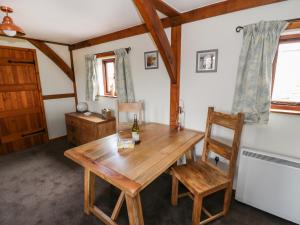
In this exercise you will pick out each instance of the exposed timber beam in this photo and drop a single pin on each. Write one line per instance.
(175, 87)
(129, 32)
(165, 8)
(217, 9)
(154, 25)
(294, 25)
(58, 96)
(54, 57)
(74, 80)
(28, 38)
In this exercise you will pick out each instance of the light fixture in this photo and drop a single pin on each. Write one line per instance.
(7, 26)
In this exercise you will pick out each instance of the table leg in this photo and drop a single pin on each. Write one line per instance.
(134, 210)
(89, 190)
(118, 206)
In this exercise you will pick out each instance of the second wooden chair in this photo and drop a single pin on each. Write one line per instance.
(126, 109)
(203, 178)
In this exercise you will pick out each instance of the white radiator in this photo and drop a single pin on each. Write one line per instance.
(270, 182)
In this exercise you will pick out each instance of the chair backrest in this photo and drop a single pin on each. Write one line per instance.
(229, 152)
(132, 107)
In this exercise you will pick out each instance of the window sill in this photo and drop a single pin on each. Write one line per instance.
(107, 96)
(283, 111)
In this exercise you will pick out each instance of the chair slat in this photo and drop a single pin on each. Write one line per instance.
(219, 148)
(130, 107)
(225, 120)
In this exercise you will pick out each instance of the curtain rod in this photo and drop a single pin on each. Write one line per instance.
(239, 28)
(110, 53)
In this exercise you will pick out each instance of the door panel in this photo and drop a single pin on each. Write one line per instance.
(16, 54)
(22, 118)
(21, 123)
(18, 100)
(17, 74)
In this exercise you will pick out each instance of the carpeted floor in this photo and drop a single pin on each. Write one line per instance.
(40, 186)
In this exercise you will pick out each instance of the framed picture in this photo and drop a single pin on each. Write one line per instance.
(151, 60)
(207, 61)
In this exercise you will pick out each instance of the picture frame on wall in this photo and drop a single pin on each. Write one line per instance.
(151, 60)
(207, 61)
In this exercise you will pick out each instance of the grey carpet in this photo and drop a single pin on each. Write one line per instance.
(41, 187)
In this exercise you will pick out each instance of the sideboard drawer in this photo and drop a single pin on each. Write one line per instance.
(83, 129)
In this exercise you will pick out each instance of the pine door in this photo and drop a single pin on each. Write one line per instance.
(22, 117)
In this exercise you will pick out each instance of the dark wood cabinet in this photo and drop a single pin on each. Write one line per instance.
(82, 129)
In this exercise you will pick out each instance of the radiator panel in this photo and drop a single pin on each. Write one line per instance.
(270, 182)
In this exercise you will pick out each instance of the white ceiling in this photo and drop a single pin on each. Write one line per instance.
(70, 21)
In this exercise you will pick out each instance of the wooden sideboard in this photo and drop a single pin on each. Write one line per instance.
(82, 129)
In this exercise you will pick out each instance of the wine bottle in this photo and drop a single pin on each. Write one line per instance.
(135, 131)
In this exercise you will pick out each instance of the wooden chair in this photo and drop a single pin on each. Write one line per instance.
(133, 107)
(203, 178)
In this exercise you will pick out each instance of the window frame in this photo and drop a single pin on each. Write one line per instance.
(282, 106)
(105, 79)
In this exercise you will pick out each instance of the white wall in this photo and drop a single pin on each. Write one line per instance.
(199, 90)
(53, 81)
(152, 86)
(202, 90)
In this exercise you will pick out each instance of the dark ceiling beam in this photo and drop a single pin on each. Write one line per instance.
(217, 9)
(164, 8)
(54, 57)
(148, 12)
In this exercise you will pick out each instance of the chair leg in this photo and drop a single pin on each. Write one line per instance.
(174, 196)
(197, 208)
(227, 199)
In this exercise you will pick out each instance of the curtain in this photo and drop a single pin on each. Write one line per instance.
(254, 76)
(92, 77)
(124, 83)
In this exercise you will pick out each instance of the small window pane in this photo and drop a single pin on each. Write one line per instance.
(108, 68)
(287, 77)
(110, 73)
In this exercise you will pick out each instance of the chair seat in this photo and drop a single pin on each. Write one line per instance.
(200, 178)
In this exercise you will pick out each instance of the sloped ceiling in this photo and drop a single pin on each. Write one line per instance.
(70, 21)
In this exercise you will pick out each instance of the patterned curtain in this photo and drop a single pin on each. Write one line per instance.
(254, 78)
(124, 83)
(92, 77)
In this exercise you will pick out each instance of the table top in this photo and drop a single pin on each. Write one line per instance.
(132, 171)
(94, 117)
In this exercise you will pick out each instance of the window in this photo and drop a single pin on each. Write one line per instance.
(108, 68)
(286, 77)
(107, 77)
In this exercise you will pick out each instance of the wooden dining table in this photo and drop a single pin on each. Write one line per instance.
(131, 170)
